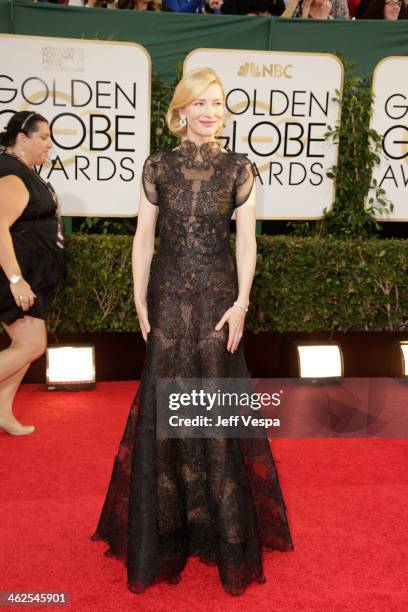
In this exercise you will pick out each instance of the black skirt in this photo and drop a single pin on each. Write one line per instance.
(41, 263)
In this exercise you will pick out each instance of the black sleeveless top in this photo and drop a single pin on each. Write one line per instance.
(37, 241)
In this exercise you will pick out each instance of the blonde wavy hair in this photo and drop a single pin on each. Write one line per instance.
(188, 89)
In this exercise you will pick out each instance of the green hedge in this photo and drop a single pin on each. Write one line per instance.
(301, 284)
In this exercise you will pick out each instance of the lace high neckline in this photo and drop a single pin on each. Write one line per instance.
(205, 151)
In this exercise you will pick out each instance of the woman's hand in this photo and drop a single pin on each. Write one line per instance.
(235, 317)
(290, 8)
(23, 294)
(326, 9)
(306, 8)
(215, 4)
(141, 309)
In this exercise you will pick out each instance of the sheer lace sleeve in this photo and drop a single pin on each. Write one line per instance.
(244, 181)
(149, 181)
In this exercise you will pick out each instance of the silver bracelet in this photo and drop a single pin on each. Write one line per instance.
(15, 278)
(241, 306)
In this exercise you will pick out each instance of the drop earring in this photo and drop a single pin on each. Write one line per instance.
(183, 122)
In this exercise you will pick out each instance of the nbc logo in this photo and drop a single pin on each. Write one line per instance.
(250, 69)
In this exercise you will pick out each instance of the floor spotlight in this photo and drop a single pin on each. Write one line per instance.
(319, 361)
(70, 367)
(404, 357)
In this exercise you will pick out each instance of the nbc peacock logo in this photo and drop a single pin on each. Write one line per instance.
(249, 69)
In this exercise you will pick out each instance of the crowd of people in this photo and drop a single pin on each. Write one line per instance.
(306, 9)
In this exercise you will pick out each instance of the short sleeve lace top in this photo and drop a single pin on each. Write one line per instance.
(223, 174)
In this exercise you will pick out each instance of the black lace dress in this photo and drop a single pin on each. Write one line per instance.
(216, 498)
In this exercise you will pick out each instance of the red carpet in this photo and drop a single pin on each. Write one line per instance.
(347, 505)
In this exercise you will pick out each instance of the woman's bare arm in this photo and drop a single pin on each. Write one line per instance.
(245, 216)
(142, 254)
(13, 200)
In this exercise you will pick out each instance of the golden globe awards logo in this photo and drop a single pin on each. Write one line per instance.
(390, 119)
(99, 117)
(278, 109)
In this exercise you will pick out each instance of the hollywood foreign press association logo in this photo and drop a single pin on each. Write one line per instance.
(63, 58)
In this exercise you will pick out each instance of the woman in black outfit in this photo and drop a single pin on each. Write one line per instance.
(170, 498)
(30, 254)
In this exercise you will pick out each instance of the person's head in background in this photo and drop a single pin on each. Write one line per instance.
(27, 135)
(390, 10)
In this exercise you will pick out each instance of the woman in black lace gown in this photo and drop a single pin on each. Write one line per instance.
(217, 498)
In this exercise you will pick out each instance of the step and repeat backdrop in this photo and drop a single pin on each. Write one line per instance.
(96, 96)
(390, 119)
(278, 108)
